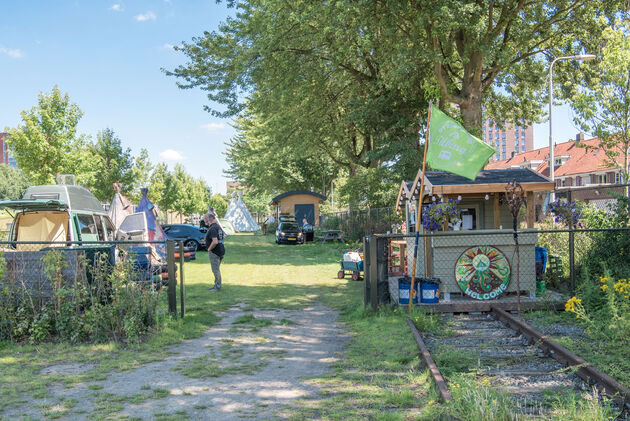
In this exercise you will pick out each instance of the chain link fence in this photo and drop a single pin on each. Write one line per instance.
(356, 224)
(560, 259)
(36, 270)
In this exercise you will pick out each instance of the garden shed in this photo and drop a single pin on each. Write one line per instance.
(300, 203)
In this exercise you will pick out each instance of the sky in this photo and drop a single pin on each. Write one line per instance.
(108, 55)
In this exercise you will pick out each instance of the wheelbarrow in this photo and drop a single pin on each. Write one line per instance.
(348, 267)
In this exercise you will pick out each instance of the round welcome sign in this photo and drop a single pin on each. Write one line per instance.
(482, 272)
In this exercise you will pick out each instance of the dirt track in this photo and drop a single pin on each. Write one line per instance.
(243, 368)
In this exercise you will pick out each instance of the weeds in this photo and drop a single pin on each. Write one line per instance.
(102, 306)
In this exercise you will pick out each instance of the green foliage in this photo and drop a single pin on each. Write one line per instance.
(109, 306)
(602, 100)
(219, 203)
(257, 203)
(109, 164)
(46, 143)
(13, 183)
(141, 174)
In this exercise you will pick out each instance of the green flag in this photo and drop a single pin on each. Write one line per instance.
(453, 149)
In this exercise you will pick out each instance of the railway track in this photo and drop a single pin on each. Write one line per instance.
(506, 354)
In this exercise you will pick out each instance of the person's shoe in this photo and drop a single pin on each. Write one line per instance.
(214, 289)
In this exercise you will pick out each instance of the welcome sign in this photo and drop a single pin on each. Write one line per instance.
(482, 272)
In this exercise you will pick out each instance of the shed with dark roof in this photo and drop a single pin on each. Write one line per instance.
(482, 198)
(300, 203)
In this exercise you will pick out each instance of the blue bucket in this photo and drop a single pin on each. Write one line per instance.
(430, 290)
(404, 286)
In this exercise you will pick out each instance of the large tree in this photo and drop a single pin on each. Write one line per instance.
(47, 143)
(602, 105)
(110, 164)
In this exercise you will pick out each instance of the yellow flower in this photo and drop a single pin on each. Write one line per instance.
(604, 287)
(603, 279)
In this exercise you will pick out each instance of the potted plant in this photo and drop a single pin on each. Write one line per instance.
(438, 214)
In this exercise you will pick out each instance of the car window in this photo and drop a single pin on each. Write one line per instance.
(87, 227)
(174, 231)
(289, 226)
(99, 227)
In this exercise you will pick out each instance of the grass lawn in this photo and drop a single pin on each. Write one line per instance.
(376, 379)
(378, 376)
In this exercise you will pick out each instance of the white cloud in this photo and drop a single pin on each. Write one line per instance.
(142, 17)
(171, 155)
(116, 8)
(11, 52)
(212, 127)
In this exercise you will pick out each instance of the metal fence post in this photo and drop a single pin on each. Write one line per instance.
(366, 268)
(571, 249)
(172, 280)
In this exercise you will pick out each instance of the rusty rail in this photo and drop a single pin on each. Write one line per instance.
(605, 384)
(435, 372)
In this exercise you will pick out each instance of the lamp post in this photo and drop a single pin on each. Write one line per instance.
(582, 57)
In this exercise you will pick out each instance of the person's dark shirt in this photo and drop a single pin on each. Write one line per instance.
(215, 231)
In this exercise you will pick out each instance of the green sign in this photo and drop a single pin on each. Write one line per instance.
(453, 149)
(482, 272)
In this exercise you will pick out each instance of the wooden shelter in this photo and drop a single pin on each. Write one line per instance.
(482, 198)
(300, 203)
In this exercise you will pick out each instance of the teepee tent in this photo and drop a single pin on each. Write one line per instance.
(120, 208)
(239, 216)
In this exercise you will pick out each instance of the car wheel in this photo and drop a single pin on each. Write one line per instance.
(191, 244)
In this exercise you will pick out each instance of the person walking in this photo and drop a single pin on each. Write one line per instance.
(216, 249)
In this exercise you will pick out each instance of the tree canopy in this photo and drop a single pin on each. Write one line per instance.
(602, 103)
(47, 143)
(324, 91)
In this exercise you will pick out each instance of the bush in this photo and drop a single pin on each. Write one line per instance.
(108, 306)
(606, 308)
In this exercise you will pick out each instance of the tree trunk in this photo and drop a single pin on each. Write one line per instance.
(471, 110)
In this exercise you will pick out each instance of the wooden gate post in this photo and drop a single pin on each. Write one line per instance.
(172, 280)
(181, 279)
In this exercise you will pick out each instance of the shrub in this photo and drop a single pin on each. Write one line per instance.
(107, 306)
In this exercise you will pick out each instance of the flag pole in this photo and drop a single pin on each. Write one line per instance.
(419, 210)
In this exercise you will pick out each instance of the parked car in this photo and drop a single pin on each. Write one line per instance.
(193, 236)
(289, 233)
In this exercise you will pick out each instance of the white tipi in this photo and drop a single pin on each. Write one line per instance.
(239, 216)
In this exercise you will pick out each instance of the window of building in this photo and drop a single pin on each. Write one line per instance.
(522, 134)
(618, 178)
(523, 148)
(503, 135)
(490, 135)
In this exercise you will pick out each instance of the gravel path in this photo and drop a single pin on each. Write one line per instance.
(248, 366)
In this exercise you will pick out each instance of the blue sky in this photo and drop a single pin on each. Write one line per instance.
(107, 56)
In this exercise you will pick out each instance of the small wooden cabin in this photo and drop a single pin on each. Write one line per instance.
(482, 208)
(300, 203)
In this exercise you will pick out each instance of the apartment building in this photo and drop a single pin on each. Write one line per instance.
(517, 138)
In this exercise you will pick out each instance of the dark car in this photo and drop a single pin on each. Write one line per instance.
(193, 236)
(289, 233)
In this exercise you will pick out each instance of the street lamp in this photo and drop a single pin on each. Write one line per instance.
(583, 57)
